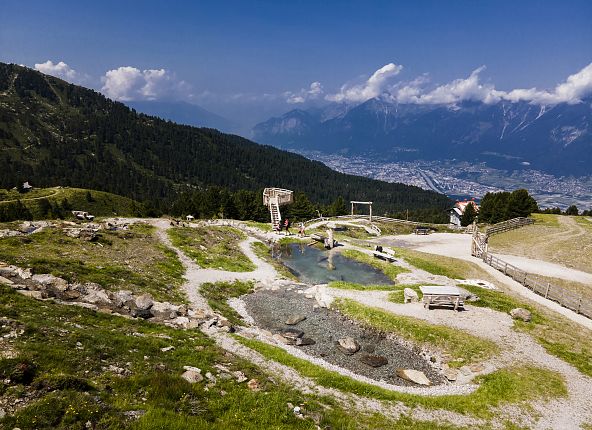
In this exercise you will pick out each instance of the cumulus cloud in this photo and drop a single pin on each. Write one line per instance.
(371, 88)
(59, 70)
(129, 83)
(469, 88)
(571, 91)
(311, 93)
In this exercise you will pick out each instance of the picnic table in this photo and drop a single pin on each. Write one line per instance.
(441, 295)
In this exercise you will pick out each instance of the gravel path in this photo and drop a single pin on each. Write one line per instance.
(544, 268)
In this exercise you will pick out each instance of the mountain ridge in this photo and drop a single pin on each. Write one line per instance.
(555, 139)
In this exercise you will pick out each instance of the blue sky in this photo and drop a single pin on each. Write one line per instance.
(250, 58)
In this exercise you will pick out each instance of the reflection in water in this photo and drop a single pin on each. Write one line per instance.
(318, 266)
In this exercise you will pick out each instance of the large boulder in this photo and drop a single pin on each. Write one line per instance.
(95, 295)
(348, 345)
(55, 286)
(144, 302)
(164, 310)
(415, 376)
(123, 298)
(192, 374)
(410, 295)
(521, 314)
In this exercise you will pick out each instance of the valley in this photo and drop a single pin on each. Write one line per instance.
(461, 179)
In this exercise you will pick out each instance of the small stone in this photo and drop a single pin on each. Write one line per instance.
(292, 333)
(33, 294)
(2, 413)
(373, 360)
(465, 370)
(192, 376)
(476, 368)
(521, 314)
(167, 348)
(451, 374)
(295, 319)
(253, 385)
(410, 295)
(415, 376)
(348, 345)
(281, 339)
(240, 376)
(304, 341)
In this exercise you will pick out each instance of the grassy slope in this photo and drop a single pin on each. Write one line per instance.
(133, 259)
(62, 385)
(99, 204)
(212, 247)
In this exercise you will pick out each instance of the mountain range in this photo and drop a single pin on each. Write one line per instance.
(555, 139)
(183, 113)
(56, 133)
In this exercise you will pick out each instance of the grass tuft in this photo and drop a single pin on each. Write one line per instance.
(389, 269)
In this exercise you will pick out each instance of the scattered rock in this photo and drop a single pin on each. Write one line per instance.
(192, 374)
(144, 301)
(5, 281)
(33, 294)
(281, 339)
(465, 370)
(292, 333)
(373, 360)
(95, 295)
(134, 415)
(476, 368)
(348, 345)
(167, 348)
(412, 375)
(295, 319)
(122, 298)
(303, 341)
(253, 385)
(521, 314)
(451, 374)
(410, 295)
(239, 376)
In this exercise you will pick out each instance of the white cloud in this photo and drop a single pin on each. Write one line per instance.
(371, 88)
(128, 83)
(571, 91)
(313, 92)
(456, 91)
(59, 70)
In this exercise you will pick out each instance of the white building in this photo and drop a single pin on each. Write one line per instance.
(457, 211)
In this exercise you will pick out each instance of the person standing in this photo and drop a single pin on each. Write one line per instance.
(287, 226)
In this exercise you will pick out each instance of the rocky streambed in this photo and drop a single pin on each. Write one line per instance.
(323, 333)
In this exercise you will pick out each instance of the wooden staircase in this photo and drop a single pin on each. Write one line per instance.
(274, 210)
(273, 198)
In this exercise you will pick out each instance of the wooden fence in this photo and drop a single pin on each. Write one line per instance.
(511, 224)
(564, 297)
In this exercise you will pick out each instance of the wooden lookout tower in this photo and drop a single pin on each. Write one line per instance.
(273, 198)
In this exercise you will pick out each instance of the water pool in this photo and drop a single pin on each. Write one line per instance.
(315, 266)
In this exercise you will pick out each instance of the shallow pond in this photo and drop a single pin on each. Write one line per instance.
(315, 266)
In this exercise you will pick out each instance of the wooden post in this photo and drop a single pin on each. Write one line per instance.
(579, 305)
(506, 269)
(352, 208)
(370, 212)
(548, 288)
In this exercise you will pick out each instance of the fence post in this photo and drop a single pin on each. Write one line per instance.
(506, 269)
(579, 305)
(548, 287)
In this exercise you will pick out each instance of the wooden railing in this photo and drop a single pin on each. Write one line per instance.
(511, 224)
(564, 297)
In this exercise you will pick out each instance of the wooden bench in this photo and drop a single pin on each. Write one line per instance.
(422, 230)
(441, 295)
(384, 256)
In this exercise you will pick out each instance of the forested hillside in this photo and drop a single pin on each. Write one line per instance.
(55, 133)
